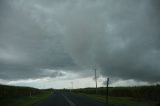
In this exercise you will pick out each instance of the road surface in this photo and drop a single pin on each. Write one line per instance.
(69, 99)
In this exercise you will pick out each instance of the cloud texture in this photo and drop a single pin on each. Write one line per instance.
(119, 38)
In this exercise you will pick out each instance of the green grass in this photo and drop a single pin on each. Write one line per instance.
(25, 101)
(122, 101)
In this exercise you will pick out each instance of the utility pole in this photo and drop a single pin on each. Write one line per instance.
(107, 91)
(72, 84)
(96, 79)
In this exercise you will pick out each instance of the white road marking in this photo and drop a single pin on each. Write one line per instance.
(69, 101)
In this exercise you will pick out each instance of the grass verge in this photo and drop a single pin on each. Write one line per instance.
(25, 101)
(121, 101)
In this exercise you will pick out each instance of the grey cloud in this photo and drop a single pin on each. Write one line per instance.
(129, 46)
(26, 46)
(119, 38)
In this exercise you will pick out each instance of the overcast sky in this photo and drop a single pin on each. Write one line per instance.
(51, 43)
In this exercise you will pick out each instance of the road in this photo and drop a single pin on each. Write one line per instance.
(69, 99)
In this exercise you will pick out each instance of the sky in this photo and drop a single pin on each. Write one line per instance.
(54, 43)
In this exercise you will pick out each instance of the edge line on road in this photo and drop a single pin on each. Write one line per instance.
(69, 101)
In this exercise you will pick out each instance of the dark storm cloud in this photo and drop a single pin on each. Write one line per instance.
(119, 38)
(25, 47)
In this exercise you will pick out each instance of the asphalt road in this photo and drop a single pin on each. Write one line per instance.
(69, 99)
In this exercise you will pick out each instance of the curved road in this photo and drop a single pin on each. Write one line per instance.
(69, 99)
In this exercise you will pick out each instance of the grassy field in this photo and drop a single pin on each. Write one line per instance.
(7, 91)
(126, 96)
(148, 93)
(25, 101)
(121, 101)
(21, 96)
